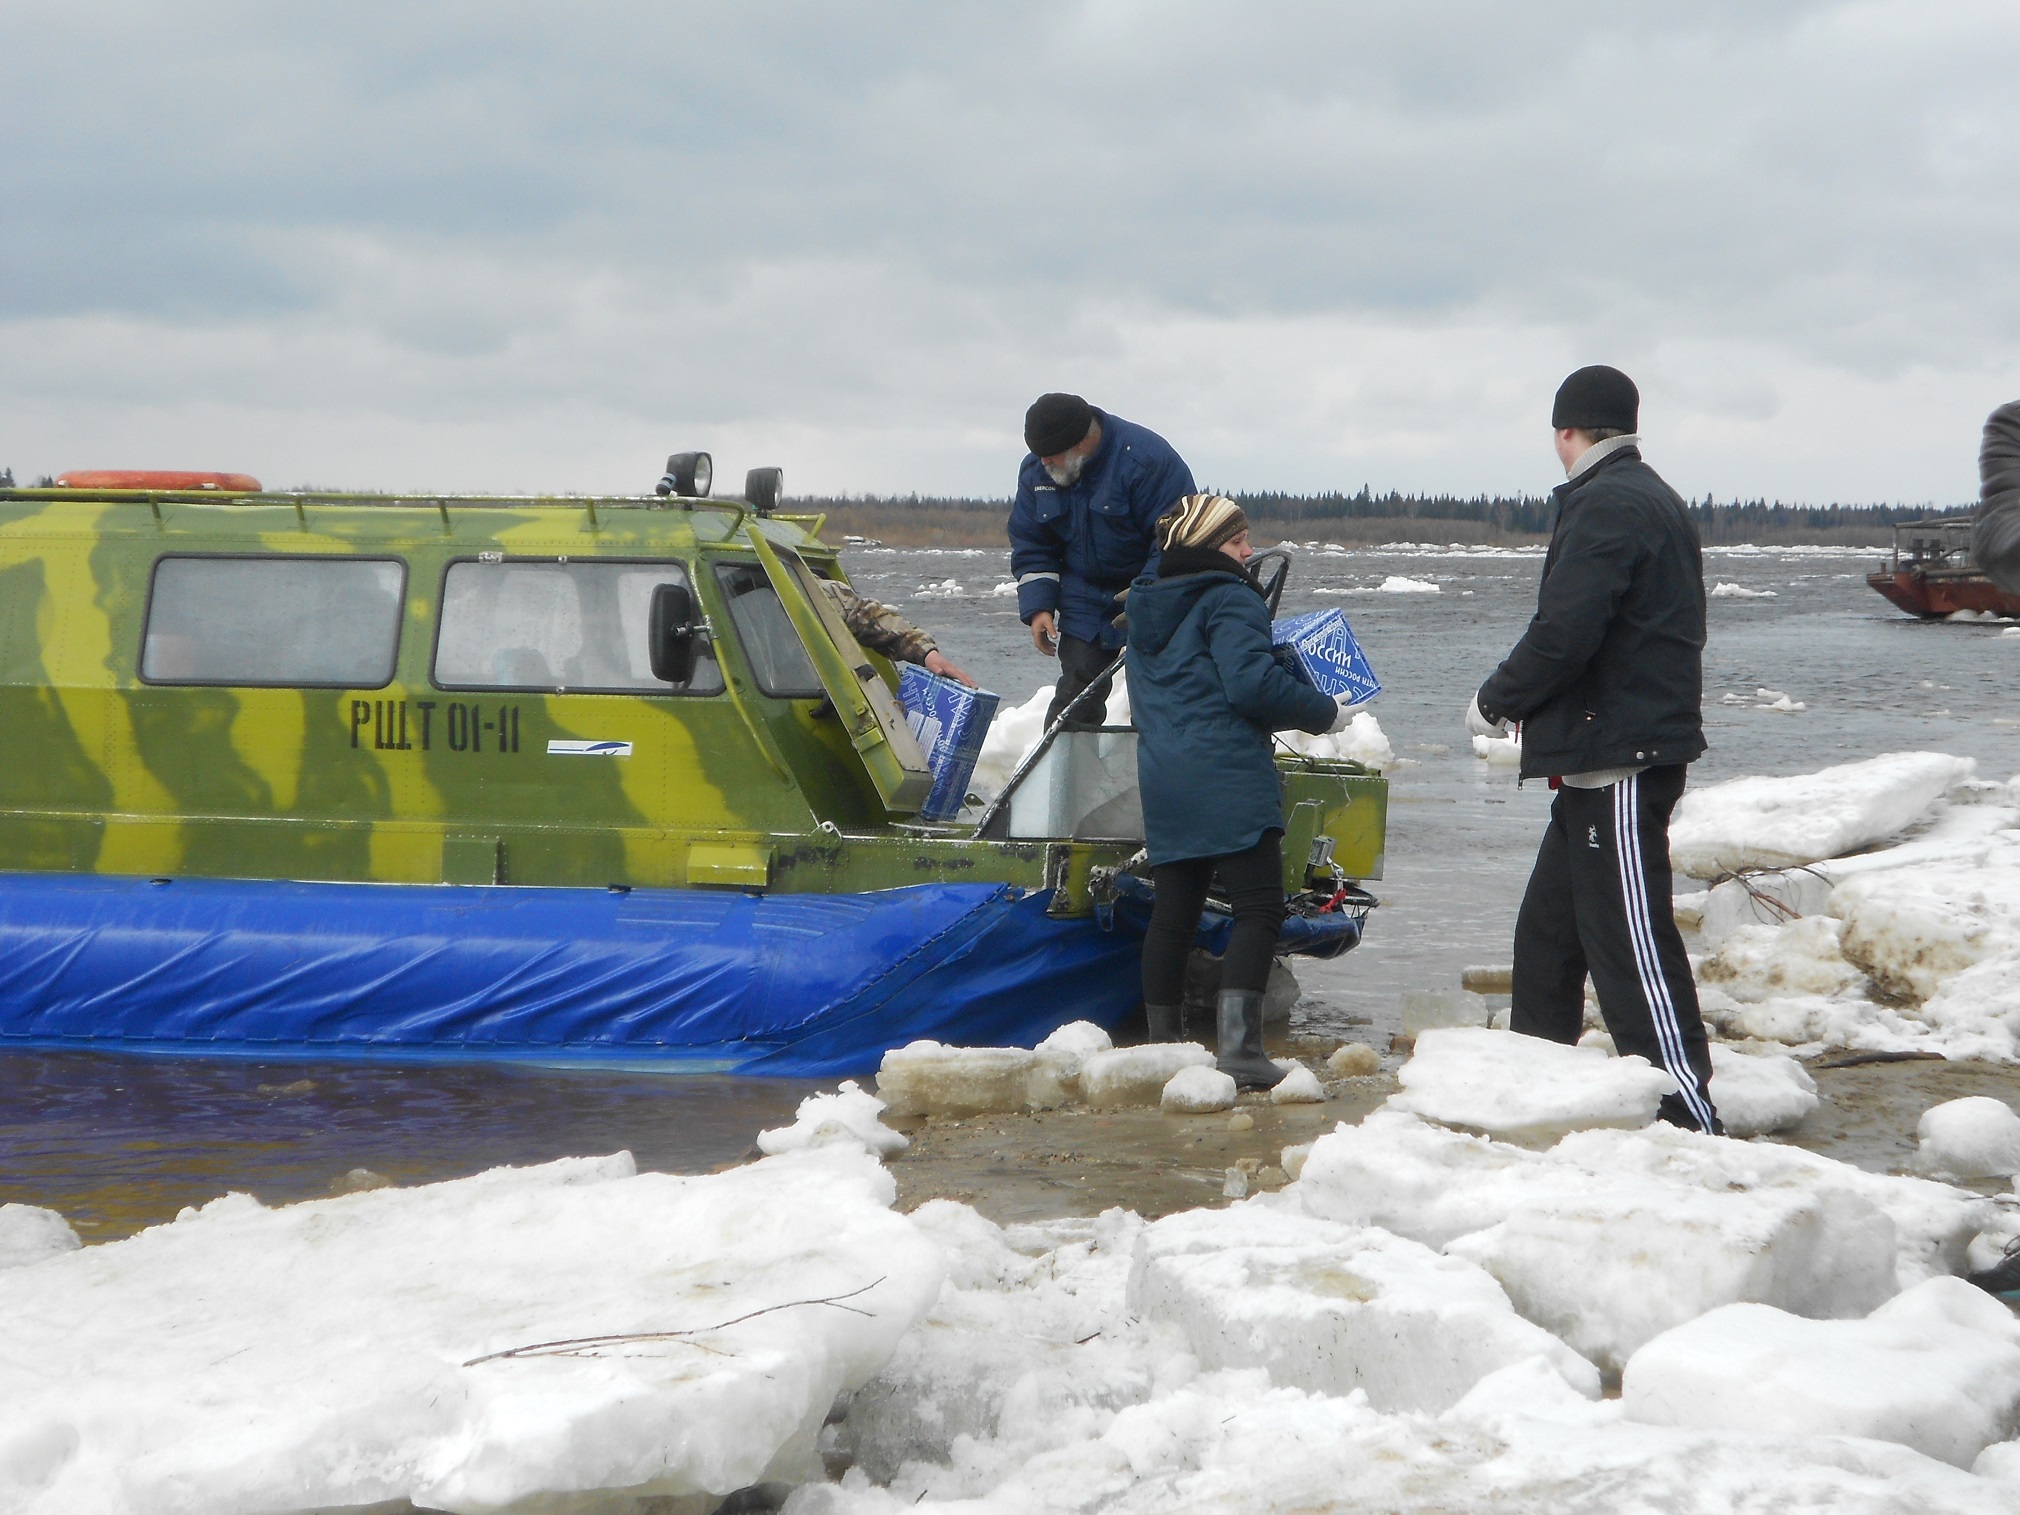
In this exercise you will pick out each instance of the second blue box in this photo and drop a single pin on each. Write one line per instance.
(1326, 650)
(950, 720)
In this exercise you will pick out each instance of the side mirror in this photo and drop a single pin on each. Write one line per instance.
(672, 637)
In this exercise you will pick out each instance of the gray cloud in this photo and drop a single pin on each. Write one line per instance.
(1314, 243)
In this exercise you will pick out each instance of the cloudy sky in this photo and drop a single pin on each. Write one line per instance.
(506, 245)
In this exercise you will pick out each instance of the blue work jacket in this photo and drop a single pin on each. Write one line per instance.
(1206, 691)
(1073, 550)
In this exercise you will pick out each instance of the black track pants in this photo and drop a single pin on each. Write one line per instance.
(1598, 903)
(1253, 884)
(1079, 663)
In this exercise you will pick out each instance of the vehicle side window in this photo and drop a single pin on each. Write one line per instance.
(529, 624)
(778, 658)
(324, 622)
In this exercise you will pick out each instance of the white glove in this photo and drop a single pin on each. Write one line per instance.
(1478, 725)
(1345, 716)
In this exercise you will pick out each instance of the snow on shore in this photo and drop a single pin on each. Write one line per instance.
(1390, 1332)
(1422, 1321)
(1880, 907)
(245, 1359)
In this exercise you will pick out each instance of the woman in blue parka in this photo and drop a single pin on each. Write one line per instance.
(1206, 691)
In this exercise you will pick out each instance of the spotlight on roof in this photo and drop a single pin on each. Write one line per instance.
(762, 488)
(688, 474)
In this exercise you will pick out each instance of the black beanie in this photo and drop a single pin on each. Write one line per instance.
(1056, 422)
(1596, 398)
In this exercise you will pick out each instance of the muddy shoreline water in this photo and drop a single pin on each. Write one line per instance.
(1053, 1164)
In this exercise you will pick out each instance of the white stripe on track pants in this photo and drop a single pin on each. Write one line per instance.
(1598, 903)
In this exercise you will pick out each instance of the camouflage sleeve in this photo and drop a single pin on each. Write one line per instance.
(878, 627)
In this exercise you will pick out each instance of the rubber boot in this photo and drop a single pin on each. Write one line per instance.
(1166, 1022)
(1241, 1041)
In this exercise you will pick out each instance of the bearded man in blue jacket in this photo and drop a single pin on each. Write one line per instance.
(1082, 528)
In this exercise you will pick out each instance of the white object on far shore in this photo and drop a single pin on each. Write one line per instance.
(849, 1115)
(1197, 1090)
(1499, 1082)
(1977, 1137)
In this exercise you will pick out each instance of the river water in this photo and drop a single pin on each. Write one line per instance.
(118, 1142)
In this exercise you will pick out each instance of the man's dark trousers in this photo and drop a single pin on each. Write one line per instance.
(1599, 902)
(1080, 664)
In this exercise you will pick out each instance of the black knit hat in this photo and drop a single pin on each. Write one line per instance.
(1056, 422)
(1595, 399)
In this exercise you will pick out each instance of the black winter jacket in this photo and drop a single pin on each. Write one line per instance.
(1610, 673)
(1995, 542)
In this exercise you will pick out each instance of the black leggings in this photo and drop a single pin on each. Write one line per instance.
(1252, 882)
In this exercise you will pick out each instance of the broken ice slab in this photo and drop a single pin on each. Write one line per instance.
(1509, 1085)
(1333, 1308)
(1936, 1368)
(1137, 1075)
(930, 1078)
(1427, 1009)
(1480, 979)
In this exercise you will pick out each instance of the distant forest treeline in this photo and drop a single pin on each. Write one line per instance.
(936, 518)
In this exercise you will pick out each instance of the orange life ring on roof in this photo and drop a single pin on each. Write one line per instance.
(158, 478)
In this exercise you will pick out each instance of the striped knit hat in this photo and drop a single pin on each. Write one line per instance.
(1205, 521)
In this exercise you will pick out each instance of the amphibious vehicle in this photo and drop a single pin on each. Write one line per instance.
(582, 779)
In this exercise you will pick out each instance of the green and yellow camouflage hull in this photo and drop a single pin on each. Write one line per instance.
(231, 720)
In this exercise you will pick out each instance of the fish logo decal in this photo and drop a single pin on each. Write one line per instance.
(559, 748)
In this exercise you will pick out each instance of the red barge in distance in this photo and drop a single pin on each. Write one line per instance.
(1931, 573)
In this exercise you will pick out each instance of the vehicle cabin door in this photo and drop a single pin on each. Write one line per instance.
(869, 712)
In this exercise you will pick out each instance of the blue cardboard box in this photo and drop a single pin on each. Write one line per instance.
(950, 720)
(1325, 648)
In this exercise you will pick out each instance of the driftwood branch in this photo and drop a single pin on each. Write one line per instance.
(579, 1345)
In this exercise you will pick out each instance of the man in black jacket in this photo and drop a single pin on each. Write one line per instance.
(1995, 543)
(1607, 686)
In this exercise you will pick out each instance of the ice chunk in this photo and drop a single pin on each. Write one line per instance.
(1396, 583)
(1354, 1060)
(1197, 1090)
(1361, 742)
(1936, 1369)
(1424, 1009)
(1755, 1094)
(1754, 963)
(1977, 1013)
(1978, 1137)
(1137, 1075)
(930, 1078)
(1613, 1236)
(1054, 1079)
(1299, 1086)
(2001, 1460)
(1499, 1082)
(327, 1354)
(849, 1115)
(1502, 751)
(1609, 1270)
(1738, 592)
(1335, 1308)
(1787, 822)
(29, 1233)
(1913, 927)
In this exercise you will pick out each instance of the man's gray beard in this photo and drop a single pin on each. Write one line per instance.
(1067, 474)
